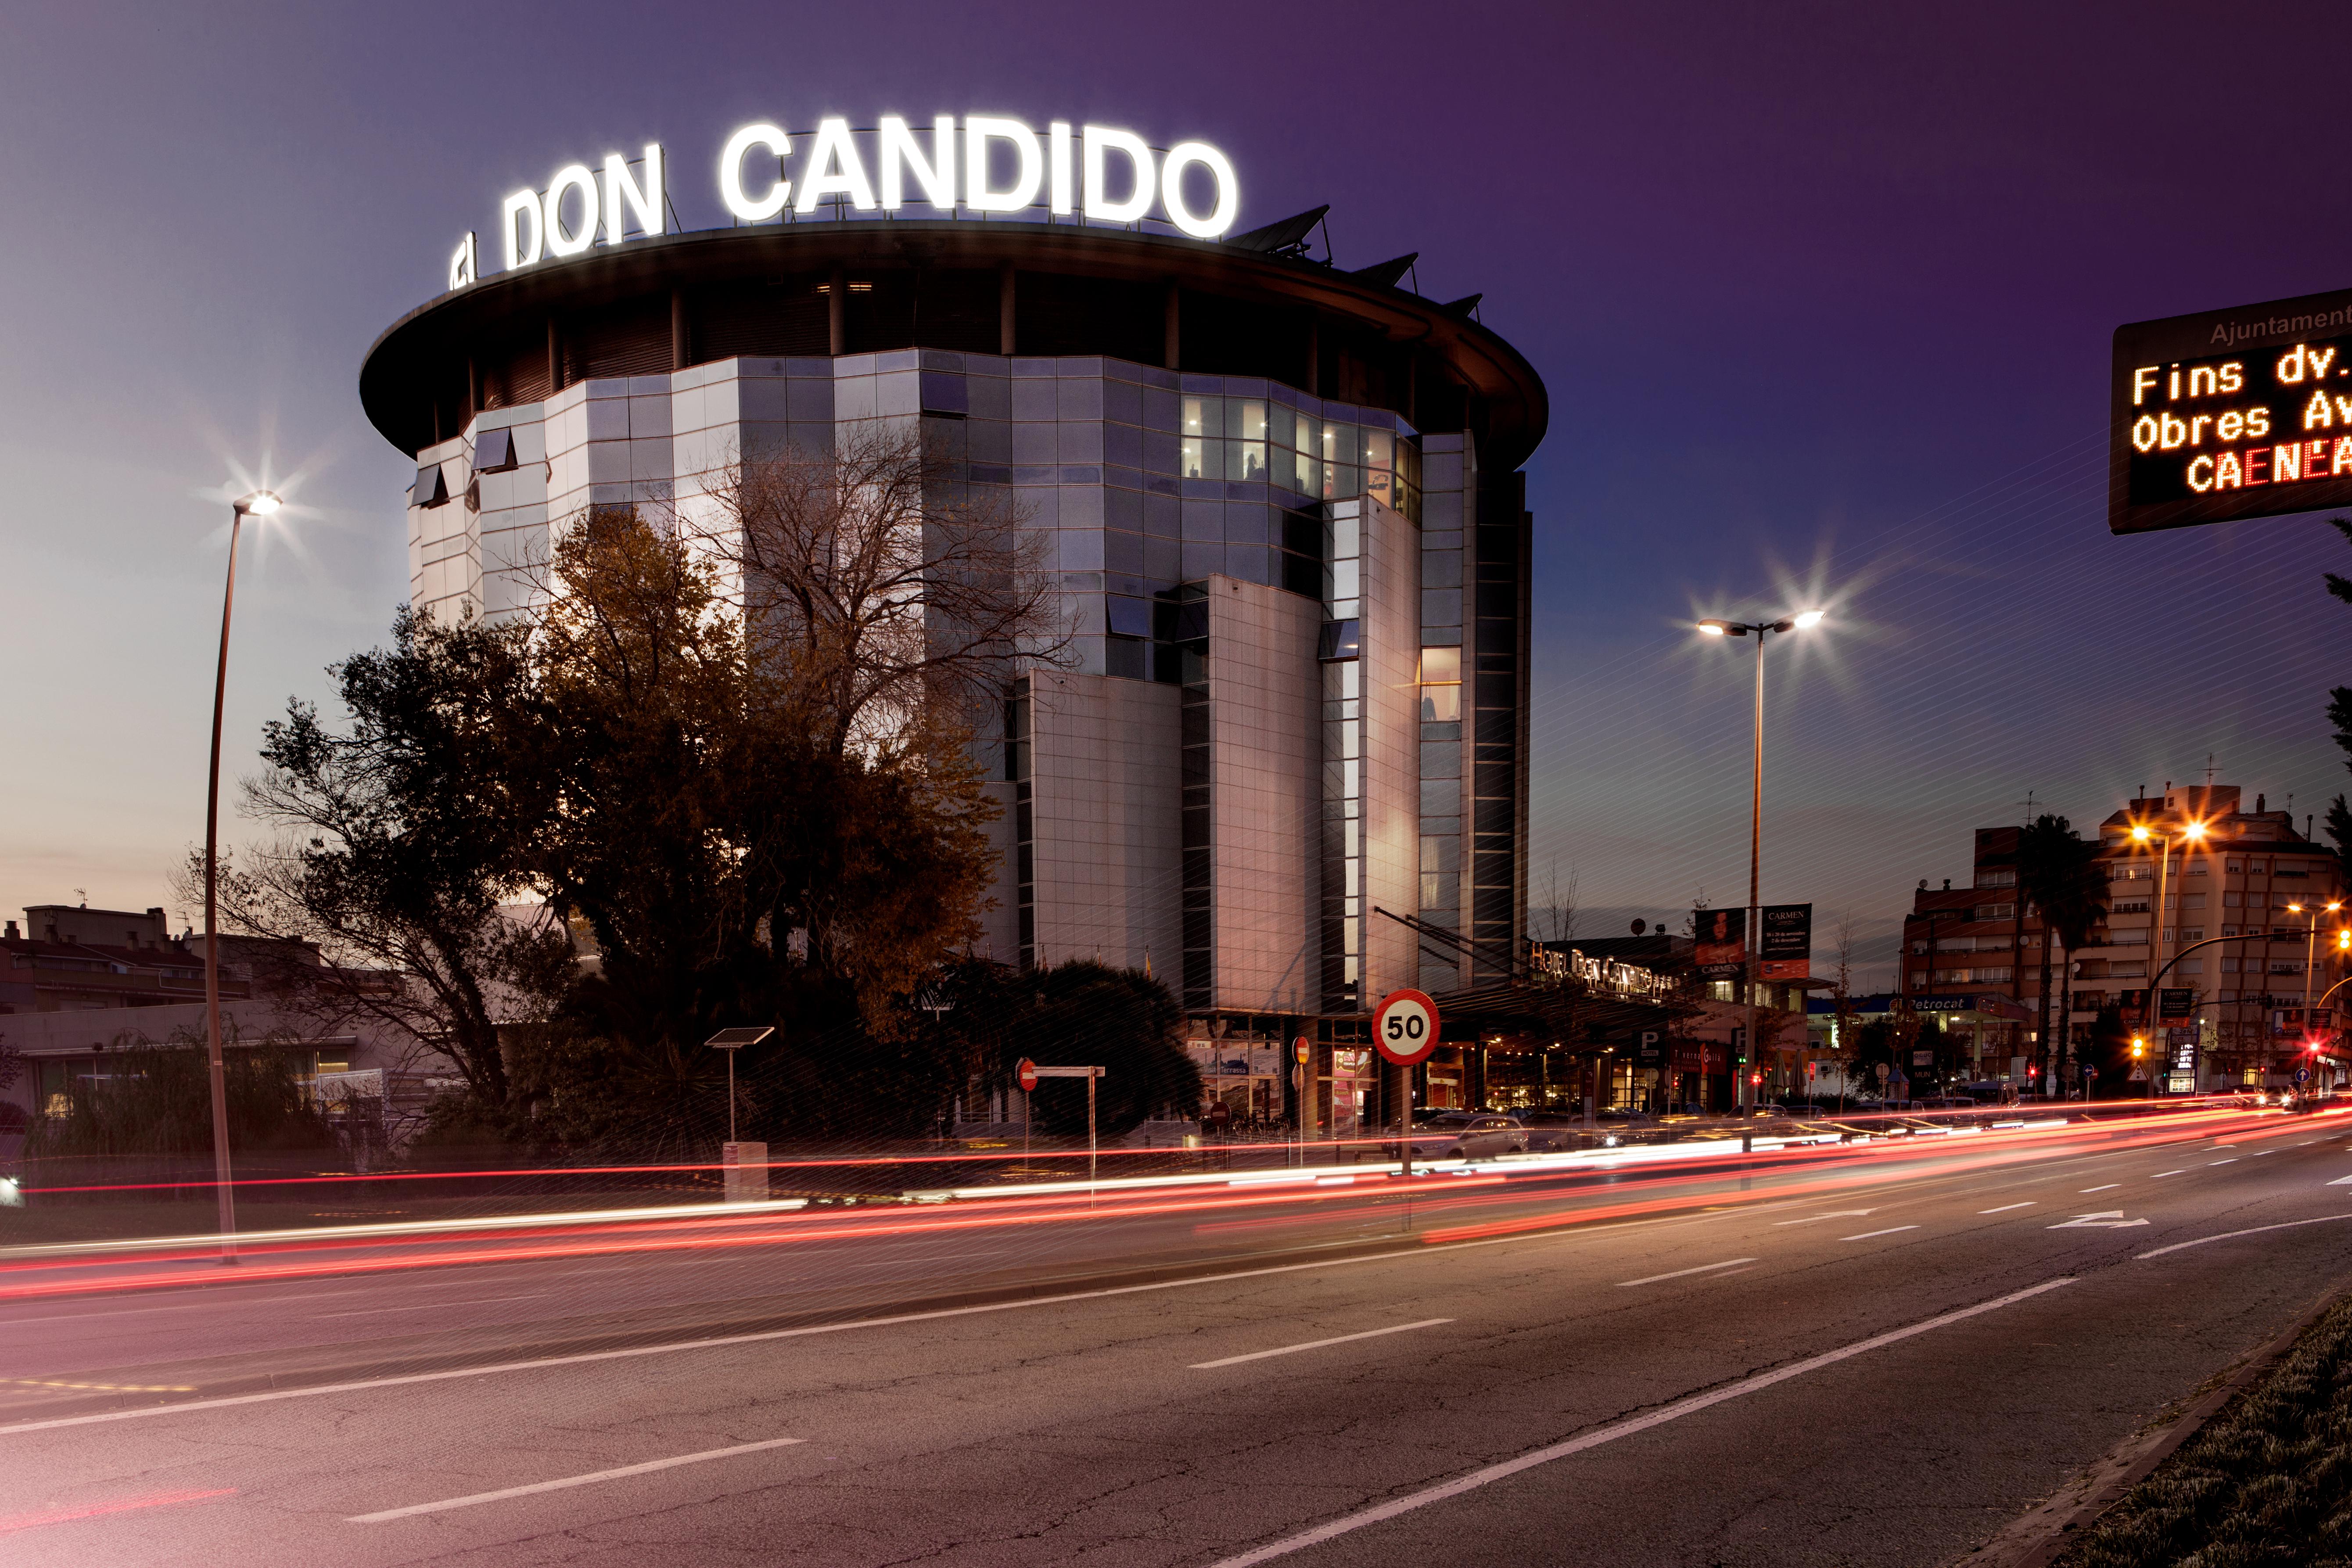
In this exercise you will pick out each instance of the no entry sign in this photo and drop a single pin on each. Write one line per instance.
(1026, 1074)
(1405, 1027)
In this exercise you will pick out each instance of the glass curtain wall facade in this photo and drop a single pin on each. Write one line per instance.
(1296, 693)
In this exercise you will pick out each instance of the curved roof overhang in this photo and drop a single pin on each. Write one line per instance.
(416, 353)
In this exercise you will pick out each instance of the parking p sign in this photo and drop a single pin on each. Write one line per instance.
(1405, 1027)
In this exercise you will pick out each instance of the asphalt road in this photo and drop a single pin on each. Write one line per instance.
(1873, 1357)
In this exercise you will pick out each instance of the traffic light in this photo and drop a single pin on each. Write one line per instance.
(2343, 941)
(2140, 1048)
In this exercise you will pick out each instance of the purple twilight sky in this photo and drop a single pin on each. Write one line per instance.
(1822, 295)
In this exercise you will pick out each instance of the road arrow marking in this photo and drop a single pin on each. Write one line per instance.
(2005, 1208)
(2341, 1181)
(1836, 1214)
(2105, 1220)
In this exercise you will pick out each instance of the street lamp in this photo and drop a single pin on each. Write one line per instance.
(1715, 628)
(260, 503)
(2193, 833)
(2311, 952)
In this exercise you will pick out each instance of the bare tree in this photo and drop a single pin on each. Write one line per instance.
(883, 594)
(1560, 901)
(1844, 998)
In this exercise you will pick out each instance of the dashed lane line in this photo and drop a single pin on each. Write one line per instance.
(1890, 1230)
(1684, 1273)
(589, 1480)
(1316, 1344)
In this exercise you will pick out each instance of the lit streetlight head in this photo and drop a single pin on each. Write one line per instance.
(2294, 908)
(1714, 628)
(1808, 618)
(2194, 830)
(2139, 833)
(260, 503)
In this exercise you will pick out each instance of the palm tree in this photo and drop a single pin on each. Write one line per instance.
(2058, 874)
(2074, 907)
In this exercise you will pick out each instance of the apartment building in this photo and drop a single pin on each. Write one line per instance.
(2246, 895)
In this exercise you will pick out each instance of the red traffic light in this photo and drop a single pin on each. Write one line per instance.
(2033, 1069)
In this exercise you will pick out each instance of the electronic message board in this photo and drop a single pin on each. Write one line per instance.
(2231, 414)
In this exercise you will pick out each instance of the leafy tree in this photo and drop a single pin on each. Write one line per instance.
(1870, 1053)
(157, 1100)
(1089, 1014)
(403, 836)
(2339, 828)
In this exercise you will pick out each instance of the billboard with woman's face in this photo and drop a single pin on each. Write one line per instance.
(1720, 939)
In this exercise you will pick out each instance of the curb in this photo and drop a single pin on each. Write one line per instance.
(2046, 1532)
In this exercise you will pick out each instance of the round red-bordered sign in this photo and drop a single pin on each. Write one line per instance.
(1026, 1076)
(1404, 1027)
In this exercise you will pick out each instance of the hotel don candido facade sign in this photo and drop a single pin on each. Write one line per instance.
(2232, 414)
(983, 163)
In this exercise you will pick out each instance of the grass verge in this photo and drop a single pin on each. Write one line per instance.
(2267, 1482)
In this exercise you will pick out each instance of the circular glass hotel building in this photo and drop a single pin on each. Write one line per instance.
(1281, 500)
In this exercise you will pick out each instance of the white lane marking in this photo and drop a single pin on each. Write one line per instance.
(1658, 1418)
(1890, 1230)
(2233, 1235)
(765, 1336)
(433, 1306)
(2104, 1219)
(1834, 1214)
(2005, 1208)
(2231, 1161)
(2161, 1174)
(2341, 1181)
(1680, 1273)
(589, 1480)
(2110, 1187)
(2260, 1152)
(1318, 1344)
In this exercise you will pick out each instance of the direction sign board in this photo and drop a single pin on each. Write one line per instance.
(1404, 1027)
(1027, 1075)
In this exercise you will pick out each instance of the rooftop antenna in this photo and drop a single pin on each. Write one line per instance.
(2029, 808)
(2209, 769)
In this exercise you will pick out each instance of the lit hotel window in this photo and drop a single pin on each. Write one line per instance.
(1441, 685)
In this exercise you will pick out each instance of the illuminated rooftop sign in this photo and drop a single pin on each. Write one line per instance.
(988, 163)
(2231, 414)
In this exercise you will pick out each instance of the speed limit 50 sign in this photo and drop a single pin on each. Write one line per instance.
(1405, 1027)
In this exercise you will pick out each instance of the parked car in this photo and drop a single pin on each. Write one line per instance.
(1463, 1136)
(1551, 1132)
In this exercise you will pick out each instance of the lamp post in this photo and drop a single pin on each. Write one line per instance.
(1760, 630)
(260, 503)
(2311, 954)
(2193, 833)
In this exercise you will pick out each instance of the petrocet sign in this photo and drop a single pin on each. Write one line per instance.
(985, 163)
